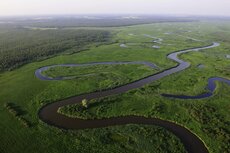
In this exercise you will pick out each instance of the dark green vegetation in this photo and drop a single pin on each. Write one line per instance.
(208, 118)
(102, 76)
(19, 46)
(129, 139)
(52, 22)
(17, 113)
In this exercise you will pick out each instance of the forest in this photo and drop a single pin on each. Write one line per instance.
(19, 45)
(89, 21)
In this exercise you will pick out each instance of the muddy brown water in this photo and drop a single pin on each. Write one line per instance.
(49, 114)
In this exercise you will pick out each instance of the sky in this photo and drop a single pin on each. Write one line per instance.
(164, 7)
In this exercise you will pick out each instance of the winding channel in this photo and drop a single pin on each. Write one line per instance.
(38, 72)
(49, 114)
(210, 89)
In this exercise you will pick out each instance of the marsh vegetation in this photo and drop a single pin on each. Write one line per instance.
(207, 118)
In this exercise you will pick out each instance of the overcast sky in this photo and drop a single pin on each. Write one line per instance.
(180, 7)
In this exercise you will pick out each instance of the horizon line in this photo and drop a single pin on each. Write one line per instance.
(116, 14)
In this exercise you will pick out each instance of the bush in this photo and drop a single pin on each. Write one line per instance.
(84, 103)
(17, 113)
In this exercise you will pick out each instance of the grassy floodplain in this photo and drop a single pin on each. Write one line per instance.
(208, 118)
(102, 76)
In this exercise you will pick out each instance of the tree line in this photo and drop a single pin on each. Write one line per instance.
(19, 46)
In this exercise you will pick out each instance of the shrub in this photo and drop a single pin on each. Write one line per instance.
(12, 108)
(84, 103)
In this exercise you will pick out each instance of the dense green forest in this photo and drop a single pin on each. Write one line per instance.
(19, 46)
(89, 21)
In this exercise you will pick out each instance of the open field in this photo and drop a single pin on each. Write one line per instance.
(208, 118)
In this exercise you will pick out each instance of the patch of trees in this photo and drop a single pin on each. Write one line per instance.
(19, 46)
(17, 112)
(213, 123)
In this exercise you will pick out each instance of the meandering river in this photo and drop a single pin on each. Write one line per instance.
(49, 114)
